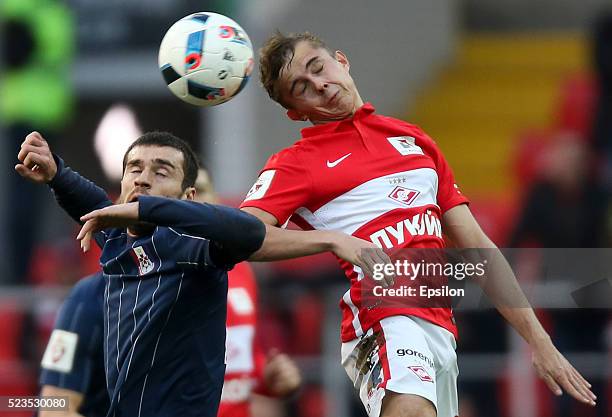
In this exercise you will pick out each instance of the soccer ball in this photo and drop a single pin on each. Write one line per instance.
(206, 59)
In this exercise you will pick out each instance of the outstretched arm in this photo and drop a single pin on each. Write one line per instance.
(504, 291)
(236, 234)
(74, 193)
(286, 244)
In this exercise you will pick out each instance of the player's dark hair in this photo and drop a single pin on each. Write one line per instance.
(190, 160)
(276, 52)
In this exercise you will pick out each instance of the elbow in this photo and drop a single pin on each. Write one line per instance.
(257, 236)
(253, 238)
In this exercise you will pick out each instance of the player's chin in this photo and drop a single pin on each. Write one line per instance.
(339, 114)
(330, 113)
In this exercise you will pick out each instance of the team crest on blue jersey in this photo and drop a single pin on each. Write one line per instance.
(145, 265)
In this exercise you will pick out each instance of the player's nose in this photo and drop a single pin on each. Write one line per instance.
(143, 179)
(320, 86)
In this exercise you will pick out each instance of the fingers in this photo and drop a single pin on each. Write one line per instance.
(569, 386)
(569, 380)
(86, 242)
(26, 172)
(86, 233)
(581, 387)
(86, 228)
(91, 215)
(33, 159)
(552, 385)
(34, 142)
(35, 139)
(579, 376)
(282, 375)
(36, 156)
(383, 259)
(374, 261)
(366, 262)
(29, 148)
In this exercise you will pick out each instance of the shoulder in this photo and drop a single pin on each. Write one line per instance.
(87, 296)
(89, 287)
(409, 128)
(289, 155)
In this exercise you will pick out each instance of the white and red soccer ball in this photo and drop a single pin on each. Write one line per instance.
(206, 58)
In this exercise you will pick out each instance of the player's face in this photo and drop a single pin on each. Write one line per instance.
(317, 86)
(153, 170)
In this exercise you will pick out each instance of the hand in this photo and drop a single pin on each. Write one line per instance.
(363, 254)
(37, 163)
(281, 375)
(559, 374)
(119, 215)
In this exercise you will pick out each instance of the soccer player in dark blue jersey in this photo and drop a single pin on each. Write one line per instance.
(73, 363)
(165, 261)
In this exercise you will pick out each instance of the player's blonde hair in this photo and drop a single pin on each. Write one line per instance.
(276, 52)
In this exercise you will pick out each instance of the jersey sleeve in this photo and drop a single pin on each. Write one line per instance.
(77, 195)
(283, 186)
(75, 343)
(235, 235)
(449, 195)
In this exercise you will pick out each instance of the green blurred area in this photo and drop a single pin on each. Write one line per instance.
(37, 91)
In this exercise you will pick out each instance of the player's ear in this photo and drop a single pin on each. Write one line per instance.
(342, 59)
(297, 116)
(189, 193)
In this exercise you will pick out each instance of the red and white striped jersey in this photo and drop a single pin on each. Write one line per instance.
(370, 176)
(244, 357)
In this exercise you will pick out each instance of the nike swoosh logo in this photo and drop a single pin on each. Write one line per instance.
(337, 161)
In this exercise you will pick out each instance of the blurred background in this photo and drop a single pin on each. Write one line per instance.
(517, 93)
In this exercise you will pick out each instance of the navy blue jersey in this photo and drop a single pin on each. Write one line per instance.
(73, 359)
(165, 299)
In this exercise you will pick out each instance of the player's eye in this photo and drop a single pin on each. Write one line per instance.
(135, 171)
(318, 69)
(162, 173)
(301, 89)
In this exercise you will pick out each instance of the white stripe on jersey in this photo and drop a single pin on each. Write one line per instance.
(119, 315)
(368, 201)
(107, 353)
(119, 323)
(158, 278)
(157, 343)
(185, 235)
(133, 347)
(349, 302)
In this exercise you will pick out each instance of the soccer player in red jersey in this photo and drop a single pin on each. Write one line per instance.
(249, 370)
(384, 181)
